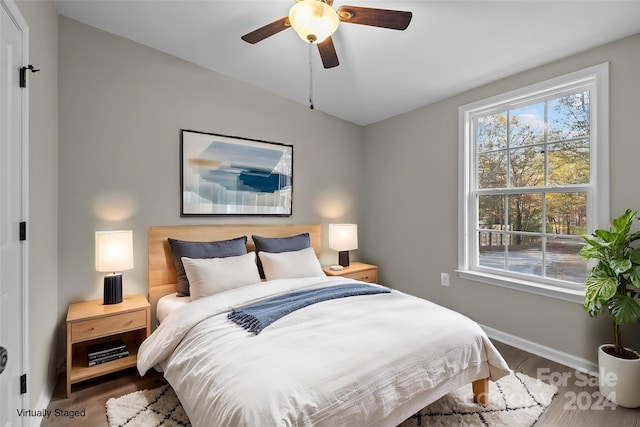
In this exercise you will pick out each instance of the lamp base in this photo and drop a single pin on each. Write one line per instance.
(112, 289)
(343, 258)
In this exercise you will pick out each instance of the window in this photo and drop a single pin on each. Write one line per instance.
(534, 179)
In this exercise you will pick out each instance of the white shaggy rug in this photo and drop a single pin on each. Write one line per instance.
(156, 407)
(515, 401)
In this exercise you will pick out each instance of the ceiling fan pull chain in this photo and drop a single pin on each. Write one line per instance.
(310, 80)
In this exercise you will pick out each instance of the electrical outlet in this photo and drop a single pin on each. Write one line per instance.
(444, 279)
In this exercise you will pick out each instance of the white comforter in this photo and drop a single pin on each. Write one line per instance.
(356, 361)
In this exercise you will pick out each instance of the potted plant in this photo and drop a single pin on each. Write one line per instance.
(614, 283)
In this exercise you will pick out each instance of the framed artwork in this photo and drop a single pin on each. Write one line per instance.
(230, 175)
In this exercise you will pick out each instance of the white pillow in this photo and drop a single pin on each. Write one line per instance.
(288, 265)
(208, 276)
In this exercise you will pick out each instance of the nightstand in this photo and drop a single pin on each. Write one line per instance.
(92, 322)
(357, 271)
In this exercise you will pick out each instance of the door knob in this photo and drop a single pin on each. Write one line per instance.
(3, 358)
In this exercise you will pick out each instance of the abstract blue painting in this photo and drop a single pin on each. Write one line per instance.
(230, 175)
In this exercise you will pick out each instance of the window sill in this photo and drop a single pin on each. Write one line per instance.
(570, 295)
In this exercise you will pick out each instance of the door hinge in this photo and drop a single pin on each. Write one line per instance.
(23, 383)
(23, 230)
(23, 74)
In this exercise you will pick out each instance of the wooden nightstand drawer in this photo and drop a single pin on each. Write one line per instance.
(370, 276)
(109, 325)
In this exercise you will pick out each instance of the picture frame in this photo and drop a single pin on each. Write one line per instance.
(232, 175)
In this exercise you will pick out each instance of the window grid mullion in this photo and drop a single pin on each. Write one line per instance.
(505, 235)
(542, 144)
(543, 240)
(572, 188)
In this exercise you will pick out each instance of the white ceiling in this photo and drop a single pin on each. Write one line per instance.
(449, 47)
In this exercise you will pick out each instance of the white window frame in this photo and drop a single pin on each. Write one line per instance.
(597, 77)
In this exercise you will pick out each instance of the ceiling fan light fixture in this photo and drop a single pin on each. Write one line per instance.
(313, 20)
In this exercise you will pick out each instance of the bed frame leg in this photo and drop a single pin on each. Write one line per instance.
(481, 391)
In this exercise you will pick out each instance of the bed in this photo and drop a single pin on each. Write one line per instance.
(369, 360)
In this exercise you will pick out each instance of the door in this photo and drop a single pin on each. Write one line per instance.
(12, 208)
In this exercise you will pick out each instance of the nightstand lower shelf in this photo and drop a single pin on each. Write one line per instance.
(80, 371)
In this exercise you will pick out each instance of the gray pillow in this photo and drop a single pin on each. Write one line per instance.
(198, 250)
(280, 244)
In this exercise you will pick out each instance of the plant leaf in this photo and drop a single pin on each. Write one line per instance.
(635, 236)
(592, 308)
(634, 275)
(596, 241)
(635, 256)
(595, 248)
(590, 252)
(624, 309)
(606, 236)
(600, 288)
(620, 265)
(622, 224)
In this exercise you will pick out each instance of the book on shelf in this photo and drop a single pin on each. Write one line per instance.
(109, 358)
(105, 347)
(107, 354)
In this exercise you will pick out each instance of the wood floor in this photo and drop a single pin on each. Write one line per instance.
(576, 404)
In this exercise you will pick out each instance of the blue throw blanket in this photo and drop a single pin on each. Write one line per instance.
(256, 317)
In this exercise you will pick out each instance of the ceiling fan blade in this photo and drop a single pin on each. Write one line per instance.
(267, 31)
(328, 53)
(384, 18)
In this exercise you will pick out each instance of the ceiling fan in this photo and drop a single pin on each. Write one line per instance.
(316, 20)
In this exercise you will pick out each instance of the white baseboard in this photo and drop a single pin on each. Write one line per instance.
(43, 401)
(552, 354)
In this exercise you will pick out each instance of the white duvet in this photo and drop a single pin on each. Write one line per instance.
(356, 361)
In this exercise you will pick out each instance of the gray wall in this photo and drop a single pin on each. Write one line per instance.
(122, 106)
(43, 197)
(411, 175)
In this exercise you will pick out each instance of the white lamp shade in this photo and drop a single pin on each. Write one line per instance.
(114, 250)
(313, 20)
(343, 237)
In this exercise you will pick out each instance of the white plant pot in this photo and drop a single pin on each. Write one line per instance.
(619, 379)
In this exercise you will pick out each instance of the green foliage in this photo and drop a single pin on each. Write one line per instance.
(614, 282)
(514, 152)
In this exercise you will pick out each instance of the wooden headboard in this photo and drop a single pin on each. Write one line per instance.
(162, 271)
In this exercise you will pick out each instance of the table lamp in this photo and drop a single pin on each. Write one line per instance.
(343, 238)
(114, 253)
